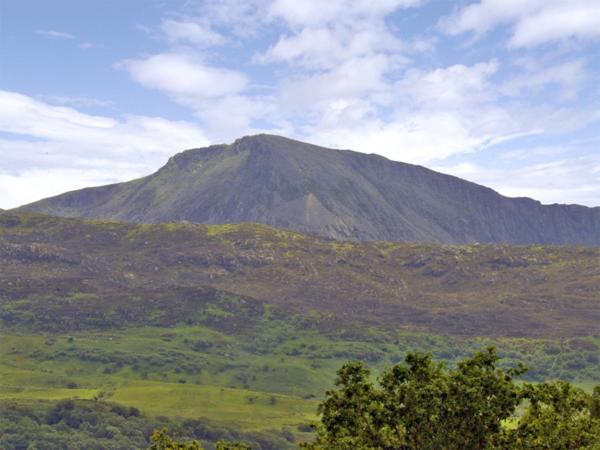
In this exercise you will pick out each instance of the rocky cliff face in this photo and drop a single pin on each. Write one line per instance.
(340, 194)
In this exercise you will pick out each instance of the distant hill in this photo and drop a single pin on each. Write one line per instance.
(340, 194)
(241, 327)
(75, 274)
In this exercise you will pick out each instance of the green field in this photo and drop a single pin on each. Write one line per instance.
(192, 372)
(269, 382)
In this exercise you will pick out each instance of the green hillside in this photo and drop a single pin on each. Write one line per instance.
(243, 326)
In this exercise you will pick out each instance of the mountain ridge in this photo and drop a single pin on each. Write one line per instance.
(341, 194)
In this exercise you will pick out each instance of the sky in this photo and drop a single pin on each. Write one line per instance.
(504, 93)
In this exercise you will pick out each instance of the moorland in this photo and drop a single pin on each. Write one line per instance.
(236, 331)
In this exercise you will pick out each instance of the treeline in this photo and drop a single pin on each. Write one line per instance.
(98, 425)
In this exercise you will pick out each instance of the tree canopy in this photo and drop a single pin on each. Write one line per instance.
(162, 441)
(423, 405)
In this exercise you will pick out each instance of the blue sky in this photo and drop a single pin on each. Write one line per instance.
(505, 93)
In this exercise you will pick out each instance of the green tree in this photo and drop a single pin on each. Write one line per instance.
(223, 445)
(420, 404)
(160, 440)
(559, 416)
(595, 403)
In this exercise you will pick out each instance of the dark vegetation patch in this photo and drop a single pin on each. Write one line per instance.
(98, 425)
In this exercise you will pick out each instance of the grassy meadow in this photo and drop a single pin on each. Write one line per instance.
(266, 381)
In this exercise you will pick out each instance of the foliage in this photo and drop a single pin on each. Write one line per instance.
(559, 417)
(595, 402)
(423, 405)
(73, 425)
(99, 425)
(162, 441)
(222, 445)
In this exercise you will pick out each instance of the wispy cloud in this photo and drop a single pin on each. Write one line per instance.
(532, 22)
(56, 34)
(184, 76)
(565, 79)
(554, 181)
(78, 101)
(198, 32)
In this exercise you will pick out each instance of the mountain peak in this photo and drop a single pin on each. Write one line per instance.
(250, 143)
(286, 183)
(267, 139)
(261, 139)
(274, 143)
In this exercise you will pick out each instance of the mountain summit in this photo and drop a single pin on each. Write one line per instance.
(336, 193)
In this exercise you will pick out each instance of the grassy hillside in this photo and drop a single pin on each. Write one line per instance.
(245, 325)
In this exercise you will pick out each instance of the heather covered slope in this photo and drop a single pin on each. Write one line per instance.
(237, 330)
(70, 273)
(341, 194)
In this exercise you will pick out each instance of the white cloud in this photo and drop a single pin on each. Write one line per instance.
(56, 34)
(24, 187)
(326, 47)
(578, 19)
(321, 35)
(57, 140)
(534, 22)
(227, 118)
(569, 77)
(184, 76)
(485, 15)
(422, 117)
(454, 87)
(427, 115)
(78, 101)
(23, 115)
(407, 139)
(216, 95)
(353, 78)
(557, 181)
(315, 12)
(243, 18)
(192, 32)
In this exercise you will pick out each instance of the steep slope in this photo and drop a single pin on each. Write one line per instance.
(340, 194)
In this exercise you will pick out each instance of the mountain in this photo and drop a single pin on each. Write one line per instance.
(340, 194)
